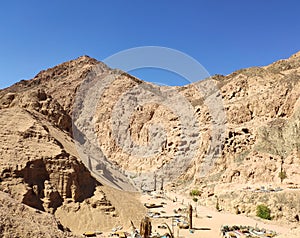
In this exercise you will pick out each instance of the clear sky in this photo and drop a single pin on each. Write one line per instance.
(222, 35)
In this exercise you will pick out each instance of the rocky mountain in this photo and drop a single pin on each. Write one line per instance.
(77, 129)
(40, 166)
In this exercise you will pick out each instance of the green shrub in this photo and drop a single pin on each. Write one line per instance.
(263, 211)
(195, 199)
(282, 175)
(195, 192)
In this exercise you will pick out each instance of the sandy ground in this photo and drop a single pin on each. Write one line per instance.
(89, 219)
(207, 220)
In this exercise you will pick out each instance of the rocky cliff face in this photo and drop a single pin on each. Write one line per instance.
(260, 139)
(137, 130)
(39, 164)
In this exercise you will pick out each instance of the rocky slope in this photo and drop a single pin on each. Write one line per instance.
(19, 220)
(262, 108)
(39, 164)
(259, 140)
(219, 136)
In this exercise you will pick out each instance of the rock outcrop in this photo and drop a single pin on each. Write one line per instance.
(34, 160)
(19, 220)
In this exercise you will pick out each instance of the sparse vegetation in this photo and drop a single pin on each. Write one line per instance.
(282, 175)
(195, 199)
(263, 211)
(195, 192)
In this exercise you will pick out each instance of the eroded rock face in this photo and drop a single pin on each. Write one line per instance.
(40, 166)
(262, 140)
(39, 101)
(18, 220)
(55, 180)
(50, 174)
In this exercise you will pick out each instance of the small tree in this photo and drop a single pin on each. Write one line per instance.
(195, 192)
(263, 211)
(282, 175)
(195, 199)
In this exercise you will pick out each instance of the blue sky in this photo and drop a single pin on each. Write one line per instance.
(222, 35)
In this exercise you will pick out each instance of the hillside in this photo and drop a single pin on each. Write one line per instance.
(40, 166)
(76, 130)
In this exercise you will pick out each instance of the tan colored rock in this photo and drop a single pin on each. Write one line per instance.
(19, 220)
(261, 139)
